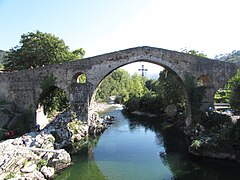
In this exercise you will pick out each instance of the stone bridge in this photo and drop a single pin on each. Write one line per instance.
(25, 87)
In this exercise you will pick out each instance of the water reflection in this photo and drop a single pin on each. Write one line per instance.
(183, 165)
(144, 148)
(84, 166)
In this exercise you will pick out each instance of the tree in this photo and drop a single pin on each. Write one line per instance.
(169, 91)
(234, 96)
(194, 52)
(38, 49)
(116, 84)
(2, 58)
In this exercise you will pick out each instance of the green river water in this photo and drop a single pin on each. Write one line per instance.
(143, 148)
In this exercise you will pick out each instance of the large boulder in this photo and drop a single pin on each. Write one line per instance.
(60, 160)
(48, 172)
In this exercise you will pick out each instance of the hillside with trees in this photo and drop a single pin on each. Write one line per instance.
(2, 58)
(233, 57)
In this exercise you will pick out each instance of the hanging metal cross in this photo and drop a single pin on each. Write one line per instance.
(143, 70)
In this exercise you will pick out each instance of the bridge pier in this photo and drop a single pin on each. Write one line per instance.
(208, 99)
(79, 100)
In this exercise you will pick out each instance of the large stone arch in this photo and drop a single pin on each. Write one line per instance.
(159, 62)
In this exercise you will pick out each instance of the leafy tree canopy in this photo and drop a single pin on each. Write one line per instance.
(38, 49)
(194, 52)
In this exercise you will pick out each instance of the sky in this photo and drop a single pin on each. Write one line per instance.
(99, 27)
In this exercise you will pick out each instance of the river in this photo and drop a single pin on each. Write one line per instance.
(144, 148)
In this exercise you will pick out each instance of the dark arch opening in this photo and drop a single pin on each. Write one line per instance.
(51, 101)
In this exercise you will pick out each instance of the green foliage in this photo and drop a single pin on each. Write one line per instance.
(234, 87)
(132, 104)
(82, 79)
(230, 92)
(48, 81)
(196, 144)
(25, 162)
(2, 59)
(119, 83)
(1, 66)
(41, 163)
(38, 49)
(53, 99)
(79, 53)
(170, 89)
(194, 52)
(213, 120)
(10, 175)
(142, 94)
(222, 96)
(218, 135)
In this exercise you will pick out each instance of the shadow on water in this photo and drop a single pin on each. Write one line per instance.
(183, 165)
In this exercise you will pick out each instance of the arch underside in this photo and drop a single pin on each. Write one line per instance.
(164, 64)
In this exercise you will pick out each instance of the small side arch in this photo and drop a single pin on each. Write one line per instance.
(80, 78)
(203, 80)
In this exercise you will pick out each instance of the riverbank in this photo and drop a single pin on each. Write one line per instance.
(215, 136)
(31, 156)
(39, 154)
(103, 106)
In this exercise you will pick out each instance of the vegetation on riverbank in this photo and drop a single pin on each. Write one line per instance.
(212, 134)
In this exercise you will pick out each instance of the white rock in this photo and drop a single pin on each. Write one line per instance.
(47, 171)
(29, 167)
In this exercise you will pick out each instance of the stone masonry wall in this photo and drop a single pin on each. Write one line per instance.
(24, 87)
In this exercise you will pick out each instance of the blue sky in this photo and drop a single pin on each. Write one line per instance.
(209, 26)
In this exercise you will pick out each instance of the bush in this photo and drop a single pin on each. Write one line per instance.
(133, 104)
(215, 120)
(41, 163)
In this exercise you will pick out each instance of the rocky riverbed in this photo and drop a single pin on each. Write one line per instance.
(38, 154)
(31, 156)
